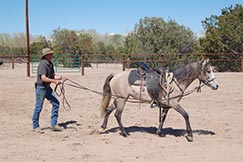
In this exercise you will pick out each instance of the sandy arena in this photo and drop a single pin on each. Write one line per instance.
(216, 118)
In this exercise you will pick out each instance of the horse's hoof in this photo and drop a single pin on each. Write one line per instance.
(124, 134)
(102, 130)
(189, 138)
(161, 134)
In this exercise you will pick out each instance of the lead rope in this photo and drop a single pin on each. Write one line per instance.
(76, 85)
(199, 87)
(62, 93)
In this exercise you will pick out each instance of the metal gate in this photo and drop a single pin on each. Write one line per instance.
(63, 63)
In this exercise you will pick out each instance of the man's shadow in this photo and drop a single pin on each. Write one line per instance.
(166, 131)
(66, 124)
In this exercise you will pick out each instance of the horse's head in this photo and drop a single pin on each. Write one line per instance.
(207, 76)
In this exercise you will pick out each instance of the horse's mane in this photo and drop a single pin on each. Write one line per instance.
(187, 72)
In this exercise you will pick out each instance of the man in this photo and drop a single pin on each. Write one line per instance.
(46, 76)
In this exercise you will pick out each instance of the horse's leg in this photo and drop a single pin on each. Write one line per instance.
(120, 105)
(159, 130)
(162, 115)
(180, 109)
(108, 111)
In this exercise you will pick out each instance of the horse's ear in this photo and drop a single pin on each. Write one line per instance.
(207, 60)
(204, 62)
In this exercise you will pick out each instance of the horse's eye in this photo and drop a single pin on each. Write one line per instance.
(209, 71)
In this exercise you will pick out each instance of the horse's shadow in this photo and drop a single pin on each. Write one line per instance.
(166, 131)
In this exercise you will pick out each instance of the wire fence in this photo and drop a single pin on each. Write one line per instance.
(67, 63)
(222, 61)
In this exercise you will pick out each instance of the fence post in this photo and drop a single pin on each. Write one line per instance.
(161, 59)
(124, 61)
(12, 61)
(82, 64)
(241, 62)
(203, 56)
(128, 62)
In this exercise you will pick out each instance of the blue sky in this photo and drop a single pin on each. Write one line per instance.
(105, 16)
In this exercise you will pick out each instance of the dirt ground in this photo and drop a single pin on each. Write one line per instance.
(216, 118)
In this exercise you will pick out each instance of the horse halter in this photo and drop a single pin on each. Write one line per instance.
(207, 79)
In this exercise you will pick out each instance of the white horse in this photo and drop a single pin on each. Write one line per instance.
(118, 87)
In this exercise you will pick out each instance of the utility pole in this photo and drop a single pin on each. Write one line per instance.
(27, 38)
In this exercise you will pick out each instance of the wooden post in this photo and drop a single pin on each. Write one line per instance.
(82, 64)
(161, 59)
(124, 62)
(12, 61)
(27, 38)
(128, 63)
(241, 62)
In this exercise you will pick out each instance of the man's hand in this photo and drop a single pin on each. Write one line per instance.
(57, 81)
(63, 78)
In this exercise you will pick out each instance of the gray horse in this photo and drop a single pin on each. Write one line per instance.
(118, 87)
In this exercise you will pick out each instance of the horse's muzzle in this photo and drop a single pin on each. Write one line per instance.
(214, 87)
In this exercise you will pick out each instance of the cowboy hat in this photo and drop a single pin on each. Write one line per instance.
(46, 51)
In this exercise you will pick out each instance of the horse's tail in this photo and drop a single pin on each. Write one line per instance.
(106, 94)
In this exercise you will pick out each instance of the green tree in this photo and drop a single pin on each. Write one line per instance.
(84, 44)
(101, 48)
(64, 41)
(13, 45)
(116, 40)
(158, 36)
(155, 36)
(224, 34)
(37, 46)
(132, 44)
(71, 42)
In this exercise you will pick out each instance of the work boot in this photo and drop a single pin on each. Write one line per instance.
(153, 104)
(38, 130)
(56, 128)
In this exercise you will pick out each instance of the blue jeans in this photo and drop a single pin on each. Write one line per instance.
(41, 94)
